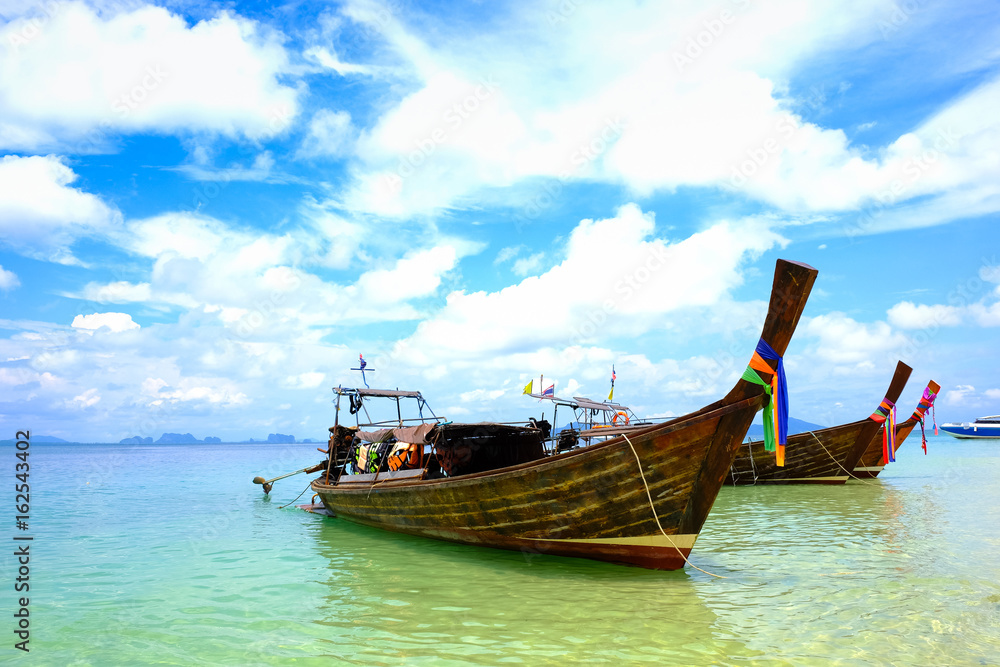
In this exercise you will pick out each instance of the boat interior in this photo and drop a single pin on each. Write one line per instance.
(384, 444)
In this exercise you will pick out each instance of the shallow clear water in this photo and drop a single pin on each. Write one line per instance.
(169, 555)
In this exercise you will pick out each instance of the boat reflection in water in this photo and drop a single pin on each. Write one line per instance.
(397, 599)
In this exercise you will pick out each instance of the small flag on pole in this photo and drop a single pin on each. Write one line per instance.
(611, 396)
(550, 391)
(528, 387)
(361, 367)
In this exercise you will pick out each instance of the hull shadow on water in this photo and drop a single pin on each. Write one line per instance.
(395, 597)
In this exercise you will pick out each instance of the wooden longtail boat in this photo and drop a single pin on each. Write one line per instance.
(873, 460)
(639, 499)
(823, 456)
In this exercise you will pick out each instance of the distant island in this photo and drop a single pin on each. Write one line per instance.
(177, 439)
(794, 426)
(40, 438)
(188, 439)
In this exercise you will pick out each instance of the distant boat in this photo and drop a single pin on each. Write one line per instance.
(984, 427)
(822, 456)
(873, 460)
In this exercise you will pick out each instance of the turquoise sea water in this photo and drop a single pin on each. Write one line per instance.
(169, 555)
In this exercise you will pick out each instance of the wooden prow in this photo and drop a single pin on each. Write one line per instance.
(933, 387)
(793, 281)
(868, 433)
(873, 460)
(899, 380)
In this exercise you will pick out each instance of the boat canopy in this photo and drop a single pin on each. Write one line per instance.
(588, 404)
(582, 403)
(385, 393)
(555, 399)
(357, 397)
(410, 434)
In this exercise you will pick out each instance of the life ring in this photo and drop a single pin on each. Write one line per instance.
(614, 420)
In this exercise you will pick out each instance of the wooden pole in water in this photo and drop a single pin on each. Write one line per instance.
(268, 483)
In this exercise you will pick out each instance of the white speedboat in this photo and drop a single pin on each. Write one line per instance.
(984, 427)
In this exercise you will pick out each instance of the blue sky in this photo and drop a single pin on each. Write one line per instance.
(207, 211)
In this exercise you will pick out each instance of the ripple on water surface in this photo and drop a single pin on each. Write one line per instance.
(170, 555)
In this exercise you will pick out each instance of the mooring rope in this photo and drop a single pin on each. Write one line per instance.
(296, 497)
(653, 508)
(849, 473)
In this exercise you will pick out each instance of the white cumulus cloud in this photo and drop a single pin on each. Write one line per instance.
(88, 398)
(330, 134)
(907, 315)
(615, 276)
(41, 214)
(309, 380)
(8, 279)
(646, 97)
(848, 344)
(84, 74)
(116, 322)
(963, 395)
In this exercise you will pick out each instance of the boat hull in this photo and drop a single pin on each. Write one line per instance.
(589, 503)
(810, 458)
(873, 460)
(972, 431)
(824, 456)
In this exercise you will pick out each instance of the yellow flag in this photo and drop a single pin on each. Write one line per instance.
(527, 387)
(611, 396)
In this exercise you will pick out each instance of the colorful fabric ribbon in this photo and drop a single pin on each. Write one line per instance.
(776, 412)
(885, 413)
(883, 410)
(889, 439)
(926, 402)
